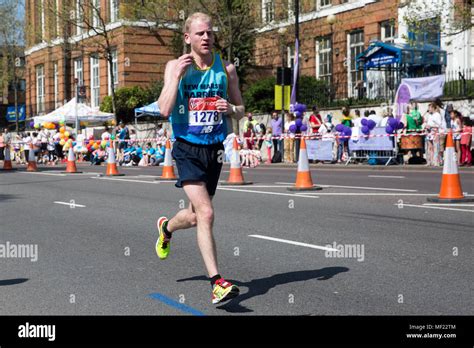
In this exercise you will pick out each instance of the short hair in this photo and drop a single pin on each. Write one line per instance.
(195, 16)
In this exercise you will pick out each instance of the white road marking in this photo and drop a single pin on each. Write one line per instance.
(264, 192)
(356, 187)
(387, 176)
(228, 171)
(292, 242)
(431, 207)
(450, 204)
(71, 204)
(154, 182)
(366, 194)
(42, 173)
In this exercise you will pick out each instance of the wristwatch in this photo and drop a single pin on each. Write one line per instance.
(234, 109)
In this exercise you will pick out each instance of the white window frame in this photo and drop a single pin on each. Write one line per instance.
(79, 17)
(95, 80)
(264, 11)
(383, 32)
(290, 56)
(40, 92)
(320, 5)
(114, 54)
(79, 71)
(96, 8)
(114, 10)
(351, 84)
(43, 24)
(319, 52)
(56, 84)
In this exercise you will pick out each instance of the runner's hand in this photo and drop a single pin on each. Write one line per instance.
(223, 105)
(182, 64)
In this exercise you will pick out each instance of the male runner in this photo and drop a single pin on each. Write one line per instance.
(196, 91)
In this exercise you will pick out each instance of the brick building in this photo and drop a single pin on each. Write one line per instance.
(60, 53)
(327, 51)
(12, 64)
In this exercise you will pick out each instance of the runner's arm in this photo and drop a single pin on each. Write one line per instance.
(169, 93)
(235, 96)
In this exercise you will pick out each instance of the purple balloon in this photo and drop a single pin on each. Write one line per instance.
(340, 127)
(365, 130)
(393, 122)
(304, 128)
(371, 124)
(32, 124)
(298, 122)
(364, 122)
(297, 114)
(292, 128)
(401, 125)
(389, 129)
(347, 131)
(300, 107)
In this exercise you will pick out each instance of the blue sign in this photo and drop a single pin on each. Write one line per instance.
(11, 117)
(381, 58)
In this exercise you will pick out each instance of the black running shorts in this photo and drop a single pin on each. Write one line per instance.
(198, 163)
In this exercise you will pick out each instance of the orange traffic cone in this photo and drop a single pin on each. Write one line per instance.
(71, 162)
(7, 163)
(168, 169)
(111, 164)
(303, 175)
(236, 176)
(31, 167)
(451, 191)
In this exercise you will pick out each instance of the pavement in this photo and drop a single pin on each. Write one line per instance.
(95, 238)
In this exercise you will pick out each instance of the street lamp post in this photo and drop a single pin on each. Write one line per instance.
(281, 142)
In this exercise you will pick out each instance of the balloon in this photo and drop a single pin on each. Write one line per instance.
(364, 122)
(61, 123)
(112, 137)
(298, 122)
(32, 124)
(304, 128)
(299, 108)
(62, 130)
(401, 125)
(340, 127)
(292, 128)
(91, 137)
(297, 114)
(347, 131)
(393, 122)
(371, 124)
(103, 143)
(389, 129)
(62, 142)
(37, 126)
(66, 134)
(365, 130)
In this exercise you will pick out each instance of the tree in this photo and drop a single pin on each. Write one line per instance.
(11, 42)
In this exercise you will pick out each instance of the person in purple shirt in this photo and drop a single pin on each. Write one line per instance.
(276, 131)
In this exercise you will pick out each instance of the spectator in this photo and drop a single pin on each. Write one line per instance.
(445, 124)
(50, 147)
(456, 126)
(357, 119)
(123, 136)
(327, 127)
(346, 117)
(414, 119)
(147, 153)
(43, 143)
(315, 120)
(289, 151)
(432, 125)
(159, 156)
(2, 147)
(98, 156)
(376, 118)
(269, 145)
(7, 137)
(249, 136)
(260, 131)
(105, 134)
(466, 142)
(251, 120)
(276, 132)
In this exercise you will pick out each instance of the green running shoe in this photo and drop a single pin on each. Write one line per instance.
(162, 246)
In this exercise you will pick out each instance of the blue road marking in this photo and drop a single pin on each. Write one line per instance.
(172, 303)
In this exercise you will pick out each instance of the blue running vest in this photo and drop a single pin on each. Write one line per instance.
(194, 117)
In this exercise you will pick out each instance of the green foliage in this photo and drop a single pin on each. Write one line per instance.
(259, 97)
(129, 98)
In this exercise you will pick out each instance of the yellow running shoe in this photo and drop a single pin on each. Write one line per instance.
(162, 246)
(223, 290)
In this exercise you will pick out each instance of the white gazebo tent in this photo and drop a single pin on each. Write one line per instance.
(70, 110)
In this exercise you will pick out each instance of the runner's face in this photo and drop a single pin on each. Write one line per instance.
(200, 37)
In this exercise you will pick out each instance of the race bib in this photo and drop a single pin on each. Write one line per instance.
(203, 112)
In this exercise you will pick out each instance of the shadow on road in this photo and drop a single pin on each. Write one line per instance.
(7, 197)
(16, 281)
(258, 287)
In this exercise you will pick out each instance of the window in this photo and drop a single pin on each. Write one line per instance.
(96, 13)
(356, 46)
(387, 31)
(95, 81)
(56, 84)
(324, 3)
(425, 32)
(40, 89)
(114, 71)
(114, 10)
(324, 59)
(78, 71)
(79, 16)
(268, 11)
(43, 23)
(290, 56)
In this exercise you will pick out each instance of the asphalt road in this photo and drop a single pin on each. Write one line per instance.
(96, 256)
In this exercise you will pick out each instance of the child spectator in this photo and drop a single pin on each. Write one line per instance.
(98, 156)
(159, 155)
(456, 125)
(269, 144)
(465, 142)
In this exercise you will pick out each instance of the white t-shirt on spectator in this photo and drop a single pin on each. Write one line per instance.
(27, 143)
(434, 120)
(376, 118)
(105, 136)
